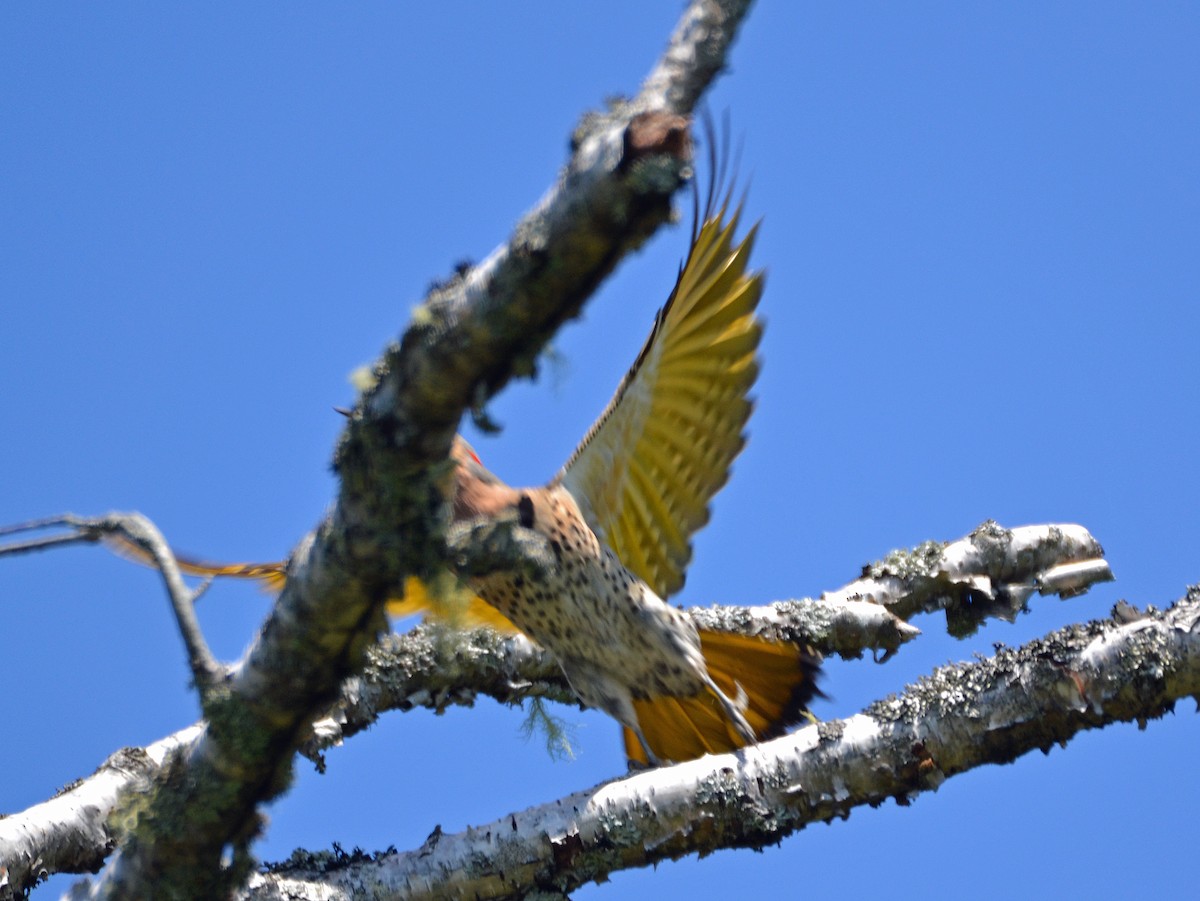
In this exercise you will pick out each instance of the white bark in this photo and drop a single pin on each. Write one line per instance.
(958, 718)
(70, 833)
(991, 572)
(429, 667)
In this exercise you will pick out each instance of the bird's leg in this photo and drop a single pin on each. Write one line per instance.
(733, 709)
(651, 757)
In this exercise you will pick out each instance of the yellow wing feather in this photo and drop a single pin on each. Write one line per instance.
(647, 470)
(447, 602)
(644, 477)
(650, 465)
(453, 604)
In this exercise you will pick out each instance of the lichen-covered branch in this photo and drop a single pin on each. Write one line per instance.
(1132, 667)
(967, 577)
(695, 56)
(416, 669)
(466, 341)
(991, 572)
(435, 668)
(70, 833)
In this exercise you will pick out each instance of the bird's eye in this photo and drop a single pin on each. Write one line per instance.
(525, 511)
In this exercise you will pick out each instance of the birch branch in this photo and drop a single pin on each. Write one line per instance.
(70, 833)
(466, 341)
(1132, 667)
(414, 670)
(435, 668)
(991, 572)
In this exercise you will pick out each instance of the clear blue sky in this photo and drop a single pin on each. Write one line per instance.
(981, 225)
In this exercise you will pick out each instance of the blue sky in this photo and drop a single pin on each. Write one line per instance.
(981, 225)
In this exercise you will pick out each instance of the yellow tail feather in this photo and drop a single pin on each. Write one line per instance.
(776, 679)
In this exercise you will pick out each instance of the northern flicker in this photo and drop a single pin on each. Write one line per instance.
(619, 517)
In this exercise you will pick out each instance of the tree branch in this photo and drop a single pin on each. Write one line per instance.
(142, 533)
(436, 668)
(991, 572)
(71, 833)
(420, 670)
(1128, 668)
(466, 341)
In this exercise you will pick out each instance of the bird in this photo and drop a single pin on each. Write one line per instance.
(618, 519)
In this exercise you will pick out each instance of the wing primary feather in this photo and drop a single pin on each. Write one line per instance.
(272, 575)
(648, 468)
(461, 608)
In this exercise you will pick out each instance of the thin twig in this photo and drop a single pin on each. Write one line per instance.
(45, 543)
(206, 671)
(139, 530)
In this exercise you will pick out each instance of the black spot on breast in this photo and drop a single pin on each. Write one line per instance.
(525, 511)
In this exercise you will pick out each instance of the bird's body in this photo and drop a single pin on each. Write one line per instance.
(618, 520)
(616, 640)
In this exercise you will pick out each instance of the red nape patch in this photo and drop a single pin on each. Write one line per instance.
(460, 445)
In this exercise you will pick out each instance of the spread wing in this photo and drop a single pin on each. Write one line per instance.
(646, 471)
(444, 601)
(649, 466)
(270, 576)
